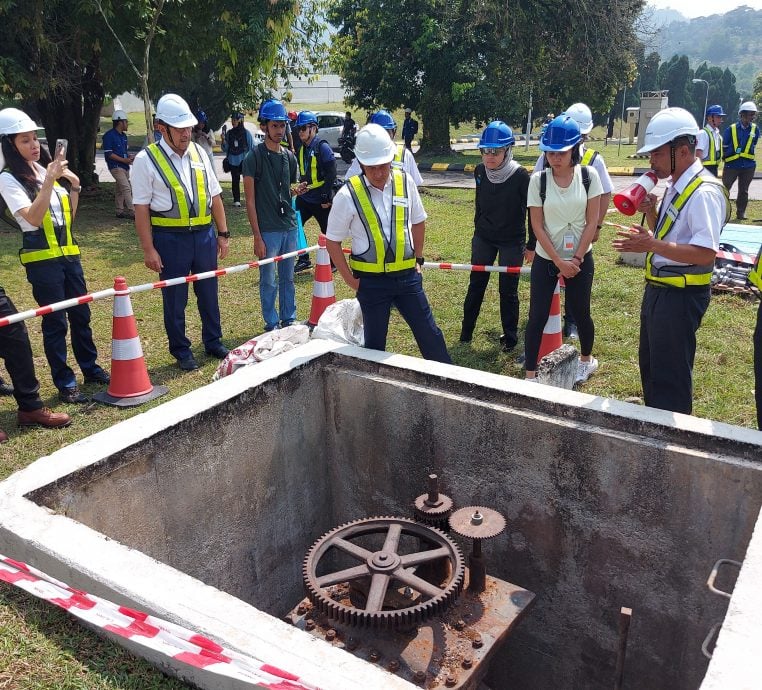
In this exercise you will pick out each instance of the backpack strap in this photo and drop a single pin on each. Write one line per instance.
(543, 185)
(586, 178)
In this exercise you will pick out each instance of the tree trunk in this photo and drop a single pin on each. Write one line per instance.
(92, 102)
(434, 110)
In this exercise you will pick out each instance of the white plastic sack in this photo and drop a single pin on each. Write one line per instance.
(341, 322)
(262, 347)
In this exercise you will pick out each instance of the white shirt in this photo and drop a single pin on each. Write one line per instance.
(17, 198)
(344, 221)
(598, 164)
(565, 209)
(702, 143)
(408, 165)
(148, 187)
(700, 220)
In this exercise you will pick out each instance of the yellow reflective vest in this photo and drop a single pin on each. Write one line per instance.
(588, 157)
(675, 275)
(382, 255)
(187, 210)
(50, 241)
(399, 157)
(309, 168)
(714, 156)
(748, 150)
(755, 276)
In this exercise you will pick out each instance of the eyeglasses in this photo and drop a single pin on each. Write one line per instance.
(491, 152)
(303, 128)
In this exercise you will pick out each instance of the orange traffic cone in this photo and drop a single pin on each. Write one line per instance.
(130, 384)
(551, 334)
(322, 287)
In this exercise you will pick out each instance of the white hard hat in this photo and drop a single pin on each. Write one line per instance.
(119, 115)
(581, 114)
(374, 146)
(747, 106)
(667, 125)
(15, 121)
(174, 111)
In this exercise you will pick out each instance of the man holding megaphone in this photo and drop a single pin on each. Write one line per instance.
(680, 247)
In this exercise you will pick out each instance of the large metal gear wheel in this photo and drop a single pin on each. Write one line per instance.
(379, 558)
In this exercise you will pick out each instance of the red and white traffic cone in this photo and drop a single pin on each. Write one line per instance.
(130, 385)
(323, 293)
(551, 334)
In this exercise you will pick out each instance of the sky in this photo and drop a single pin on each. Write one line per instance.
(703, 8)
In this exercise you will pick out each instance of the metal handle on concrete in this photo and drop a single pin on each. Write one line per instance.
(713, 576)
(705, 644)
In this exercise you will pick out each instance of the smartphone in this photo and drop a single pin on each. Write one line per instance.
(61, 147)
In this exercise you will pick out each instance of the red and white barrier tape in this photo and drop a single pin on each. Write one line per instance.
(153, 633)
(523, 270)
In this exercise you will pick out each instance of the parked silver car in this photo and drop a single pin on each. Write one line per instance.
(330, 124)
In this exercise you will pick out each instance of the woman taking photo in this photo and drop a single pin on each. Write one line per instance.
(44, 209)
(563, 203)
(499, 231)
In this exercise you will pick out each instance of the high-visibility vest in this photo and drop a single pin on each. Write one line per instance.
(670, 274)
(715, 153)
(382, 255)
(309, 168)
(748, 150)
(755, 276)
(185, 212)
(588, 157)
(399, 157)
(50, 241)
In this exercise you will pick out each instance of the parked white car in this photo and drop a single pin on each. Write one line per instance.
(330, 124)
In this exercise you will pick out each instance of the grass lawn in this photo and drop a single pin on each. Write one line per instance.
(43, 649)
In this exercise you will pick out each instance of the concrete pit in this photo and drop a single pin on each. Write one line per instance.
(202, 509)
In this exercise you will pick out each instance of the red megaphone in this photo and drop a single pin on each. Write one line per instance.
(627, 202)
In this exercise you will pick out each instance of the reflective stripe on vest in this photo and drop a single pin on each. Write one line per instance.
(399, 157)
(184, 213)
(755, 276)
(314, 177)
(747, 150)
(714, 156)
(58, 240)
(383, 255)
(678, 276)
(588, 157)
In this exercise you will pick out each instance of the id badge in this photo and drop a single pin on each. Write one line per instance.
(235, 143)
(569, 245)
(197, 166)
(399, 201)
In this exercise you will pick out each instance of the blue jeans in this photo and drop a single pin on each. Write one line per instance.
(278, 243)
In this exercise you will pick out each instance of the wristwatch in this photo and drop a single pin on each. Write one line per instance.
(420, 260)
(225, 235)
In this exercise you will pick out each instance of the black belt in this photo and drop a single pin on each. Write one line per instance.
(188, 229)
(389, 274)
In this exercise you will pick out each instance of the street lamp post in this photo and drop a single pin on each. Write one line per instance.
(706, 98)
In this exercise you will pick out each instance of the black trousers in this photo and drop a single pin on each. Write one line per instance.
(669, 319)
(744, 177)
(316, 211)
(235, 179)
(484, 253)
(578, 289)
(17, 353)
(758, 366)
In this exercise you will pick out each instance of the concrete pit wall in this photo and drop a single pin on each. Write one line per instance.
(608, 505)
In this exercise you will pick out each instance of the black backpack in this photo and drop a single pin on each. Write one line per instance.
(237, 141)
(544, 182)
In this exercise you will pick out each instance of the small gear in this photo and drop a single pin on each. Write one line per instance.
(477, 522)
(380, 572)
(434, 508)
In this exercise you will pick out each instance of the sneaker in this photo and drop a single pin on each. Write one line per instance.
(570, 331)
(585, 370)
(5, 388)
(302, 266)
(505, 344)
(43, 417)
(237, 204)
(72, 395)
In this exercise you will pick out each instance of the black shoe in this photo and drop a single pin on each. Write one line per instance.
(5, 388)
(740, 217)
(72, 395)
(570, 331)
(218, 351)
(98, 377)
(505, 344)
(465, 337)
(187, 364)
(302, 266)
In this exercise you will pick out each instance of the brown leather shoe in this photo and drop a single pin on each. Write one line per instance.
(43, 417)
(3, 436)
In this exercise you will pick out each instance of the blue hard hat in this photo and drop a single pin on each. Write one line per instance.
(306, 117)
(236, 115)
(383, 118)
(496, 135)
(715, 110)
(201, 117)
(561, 134)
(272, 109)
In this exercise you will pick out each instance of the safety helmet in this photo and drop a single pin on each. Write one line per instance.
(747, 107)
(384, 119)
(172, 110)
(715, 110)
(272, 109)
(408, 110)
(292, 115)
(562, 134)
(496, 134)
(15, 121)
(236, 115)
(582, 116)
(373, 145)
(306, 117)
(201, 117)
(118, 116)
(666, 126)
